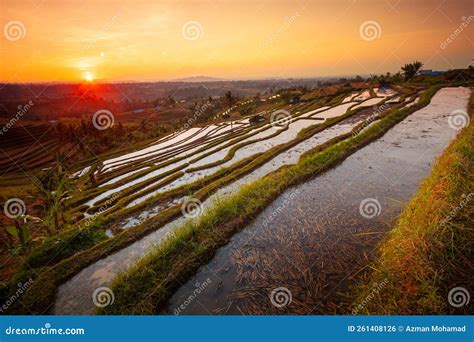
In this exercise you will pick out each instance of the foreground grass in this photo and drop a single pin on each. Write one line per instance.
(146, 287)
(431, 250)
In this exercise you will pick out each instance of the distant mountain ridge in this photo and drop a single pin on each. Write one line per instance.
(199, 79)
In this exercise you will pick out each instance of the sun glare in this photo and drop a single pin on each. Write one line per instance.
(88, 76)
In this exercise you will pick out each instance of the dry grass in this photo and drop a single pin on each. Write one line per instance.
(426, 254)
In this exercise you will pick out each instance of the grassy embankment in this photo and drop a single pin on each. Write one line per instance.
(431, 250)
(146, 287)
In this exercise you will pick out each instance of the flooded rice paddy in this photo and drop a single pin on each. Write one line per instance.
(315, 238)
(316, 198)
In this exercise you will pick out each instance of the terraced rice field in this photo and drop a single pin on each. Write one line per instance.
(323, 219)
(137, 187)
(141, 197)
(26, 147)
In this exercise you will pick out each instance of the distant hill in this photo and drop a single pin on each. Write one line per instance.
(199, 79)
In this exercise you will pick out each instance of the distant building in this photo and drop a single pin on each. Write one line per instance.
(429, 72)
(295, 100)
(256, 119)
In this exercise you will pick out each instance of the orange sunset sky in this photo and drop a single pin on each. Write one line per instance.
(74, 40)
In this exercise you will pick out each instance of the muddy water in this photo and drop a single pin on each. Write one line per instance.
(315, 238)
(74, 297)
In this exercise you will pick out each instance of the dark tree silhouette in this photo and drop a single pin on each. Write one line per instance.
(410, 70)
(229, 99)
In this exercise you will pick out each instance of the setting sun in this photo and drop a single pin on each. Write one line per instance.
(88, 76)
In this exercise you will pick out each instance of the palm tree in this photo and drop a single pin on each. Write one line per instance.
(411, 69)
(230, 100)
(417, 65)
